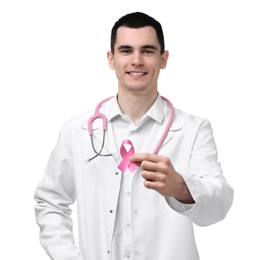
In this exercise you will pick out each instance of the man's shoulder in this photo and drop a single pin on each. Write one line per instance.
(78, 121)
(188, 118)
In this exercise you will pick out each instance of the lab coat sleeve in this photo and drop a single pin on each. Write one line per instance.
(212, 194)
(54, 195)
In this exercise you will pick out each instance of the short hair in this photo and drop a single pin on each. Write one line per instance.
(138, 20)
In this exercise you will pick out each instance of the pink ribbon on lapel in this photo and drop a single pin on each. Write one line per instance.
(126, 163)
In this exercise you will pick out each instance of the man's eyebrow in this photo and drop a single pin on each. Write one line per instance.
(124, 47)
(147, 46)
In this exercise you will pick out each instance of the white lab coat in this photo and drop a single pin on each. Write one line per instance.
(164, 227)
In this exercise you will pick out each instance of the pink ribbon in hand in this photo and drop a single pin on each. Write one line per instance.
(126, 163)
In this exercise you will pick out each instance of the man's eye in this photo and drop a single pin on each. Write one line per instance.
(148, 51)
(125, 51)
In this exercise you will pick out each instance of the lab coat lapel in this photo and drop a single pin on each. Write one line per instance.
(157, 132)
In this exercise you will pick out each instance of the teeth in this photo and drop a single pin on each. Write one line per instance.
(136, 73)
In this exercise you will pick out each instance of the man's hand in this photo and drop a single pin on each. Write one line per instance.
(160, 175)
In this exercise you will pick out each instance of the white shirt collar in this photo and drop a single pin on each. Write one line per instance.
(156, 112)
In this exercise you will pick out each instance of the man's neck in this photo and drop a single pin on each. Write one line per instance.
(136, 106)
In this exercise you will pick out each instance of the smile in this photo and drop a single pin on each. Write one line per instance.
(136, 74)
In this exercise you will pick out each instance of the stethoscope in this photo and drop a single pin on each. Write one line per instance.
(99, 115)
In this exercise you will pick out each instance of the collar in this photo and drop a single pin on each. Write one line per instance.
(156, 112)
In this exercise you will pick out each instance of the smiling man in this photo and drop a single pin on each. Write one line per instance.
(142, 176)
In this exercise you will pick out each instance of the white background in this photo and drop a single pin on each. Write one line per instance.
(53, 66)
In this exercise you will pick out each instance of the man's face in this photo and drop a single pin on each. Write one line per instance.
(137, 59)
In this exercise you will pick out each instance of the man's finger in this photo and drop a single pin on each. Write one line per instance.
(139, 157)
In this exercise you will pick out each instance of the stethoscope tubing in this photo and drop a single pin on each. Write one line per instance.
(170, 120)
(98, 115)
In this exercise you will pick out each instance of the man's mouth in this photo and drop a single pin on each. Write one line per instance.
(136, 74)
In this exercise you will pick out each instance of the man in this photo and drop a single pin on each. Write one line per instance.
(140, 183)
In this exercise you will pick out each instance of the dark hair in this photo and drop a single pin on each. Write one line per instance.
(138, 20)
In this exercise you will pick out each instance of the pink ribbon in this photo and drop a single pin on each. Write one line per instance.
(126, 163)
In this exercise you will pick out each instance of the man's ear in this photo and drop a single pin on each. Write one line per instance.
(110, 58)
(164, 59)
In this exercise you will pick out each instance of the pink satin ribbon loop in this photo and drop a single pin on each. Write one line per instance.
(126, 163)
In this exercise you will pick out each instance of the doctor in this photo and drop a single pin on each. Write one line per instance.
(133, 202)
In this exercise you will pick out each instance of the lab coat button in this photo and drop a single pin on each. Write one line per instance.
(135, 212)
(116, 173)
(111, 211)
(127, 255)
(137, 252)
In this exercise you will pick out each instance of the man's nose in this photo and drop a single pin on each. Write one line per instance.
(137, 59)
